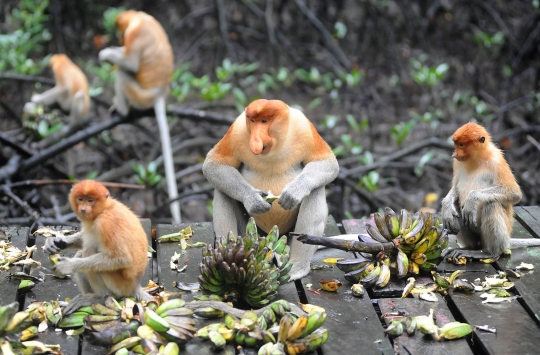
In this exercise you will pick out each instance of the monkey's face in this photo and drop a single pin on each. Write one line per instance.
(265, 120)
(460, 151)
(85, 207)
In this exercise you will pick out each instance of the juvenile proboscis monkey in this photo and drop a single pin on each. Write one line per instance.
(70, 91)
(144, 69)
(113, 247)
(479, 206)
(272, 146)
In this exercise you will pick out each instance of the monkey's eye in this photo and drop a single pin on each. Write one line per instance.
(90, 200)
(264, 121)
(461, 145)
(252, 120)
(80, 199)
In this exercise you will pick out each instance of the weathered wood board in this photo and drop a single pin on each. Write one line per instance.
(529, 217)
(420, 343)
(8, 287)
(347, 316)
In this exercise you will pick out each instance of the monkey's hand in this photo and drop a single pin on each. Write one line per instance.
(65, 266)
(469, 210)
(292, 196)
(54, 245)
(106, 54)
(255, 203)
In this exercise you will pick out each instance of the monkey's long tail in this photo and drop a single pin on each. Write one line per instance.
(529, 242)
(159, 109)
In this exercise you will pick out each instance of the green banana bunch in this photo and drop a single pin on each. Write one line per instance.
(420, 239)
(244, 266)
(299, 333)
(308, 343)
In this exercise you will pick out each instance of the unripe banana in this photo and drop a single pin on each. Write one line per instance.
(170, 304)
(381, 226)
(155, 322)
(375, 234)
(384, 276)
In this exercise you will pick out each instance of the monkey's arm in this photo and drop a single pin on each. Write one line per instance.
(55, 245)
(449, 212)
(98, 262)
(115, 55)
(314, 175)
(227, 179)
(50, 96)
(499, 194)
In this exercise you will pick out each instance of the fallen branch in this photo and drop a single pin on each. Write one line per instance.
(201, 115)
(224, 30)
(327, 37)
(69, 182)
(430, 142)
(20, 148)
(78, 137)
(347, 245)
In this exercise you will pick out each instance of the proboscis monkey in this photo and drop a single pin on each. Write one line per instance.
(479, 206)
(70, 91)
(113, 247)
(144, 69)
(272, 146)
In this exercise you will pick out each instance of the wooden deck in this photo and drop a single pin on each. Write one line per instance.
(354, 324)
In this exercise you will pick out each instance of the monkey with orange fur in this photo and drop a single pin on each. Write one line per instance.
(479, 206)
(145, 65)
(113, 245)
(272, 146)
(70, 91)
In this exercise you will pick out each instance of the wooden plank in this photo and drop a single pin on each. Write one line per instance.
(530, 218)
(528, 286)
(148, 273)
(348, 318)
(202, 232)
(8, 288)
(419, 344)
(509, 318)
(53, 289)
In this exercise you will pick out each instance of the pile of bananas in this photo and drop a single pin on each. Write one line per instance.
(278, 330)
(24, 324)
(426, 325)
(128, 326)
(244, 266)
(419, 240)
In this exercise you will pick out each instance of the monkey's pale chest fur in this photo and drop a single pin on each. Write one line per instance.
(469, 180)
(273, 171)
(269, 181)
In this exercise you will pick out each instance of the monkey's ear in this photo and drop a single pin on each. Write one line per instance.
(482, 139)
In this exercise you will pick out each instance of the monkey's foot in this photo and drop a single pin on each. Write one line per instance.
(298, 271)
(81, 301)
(470, 254)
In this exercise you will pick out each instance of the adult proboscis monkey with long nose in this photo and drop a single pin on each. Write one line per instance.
(272, 147)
